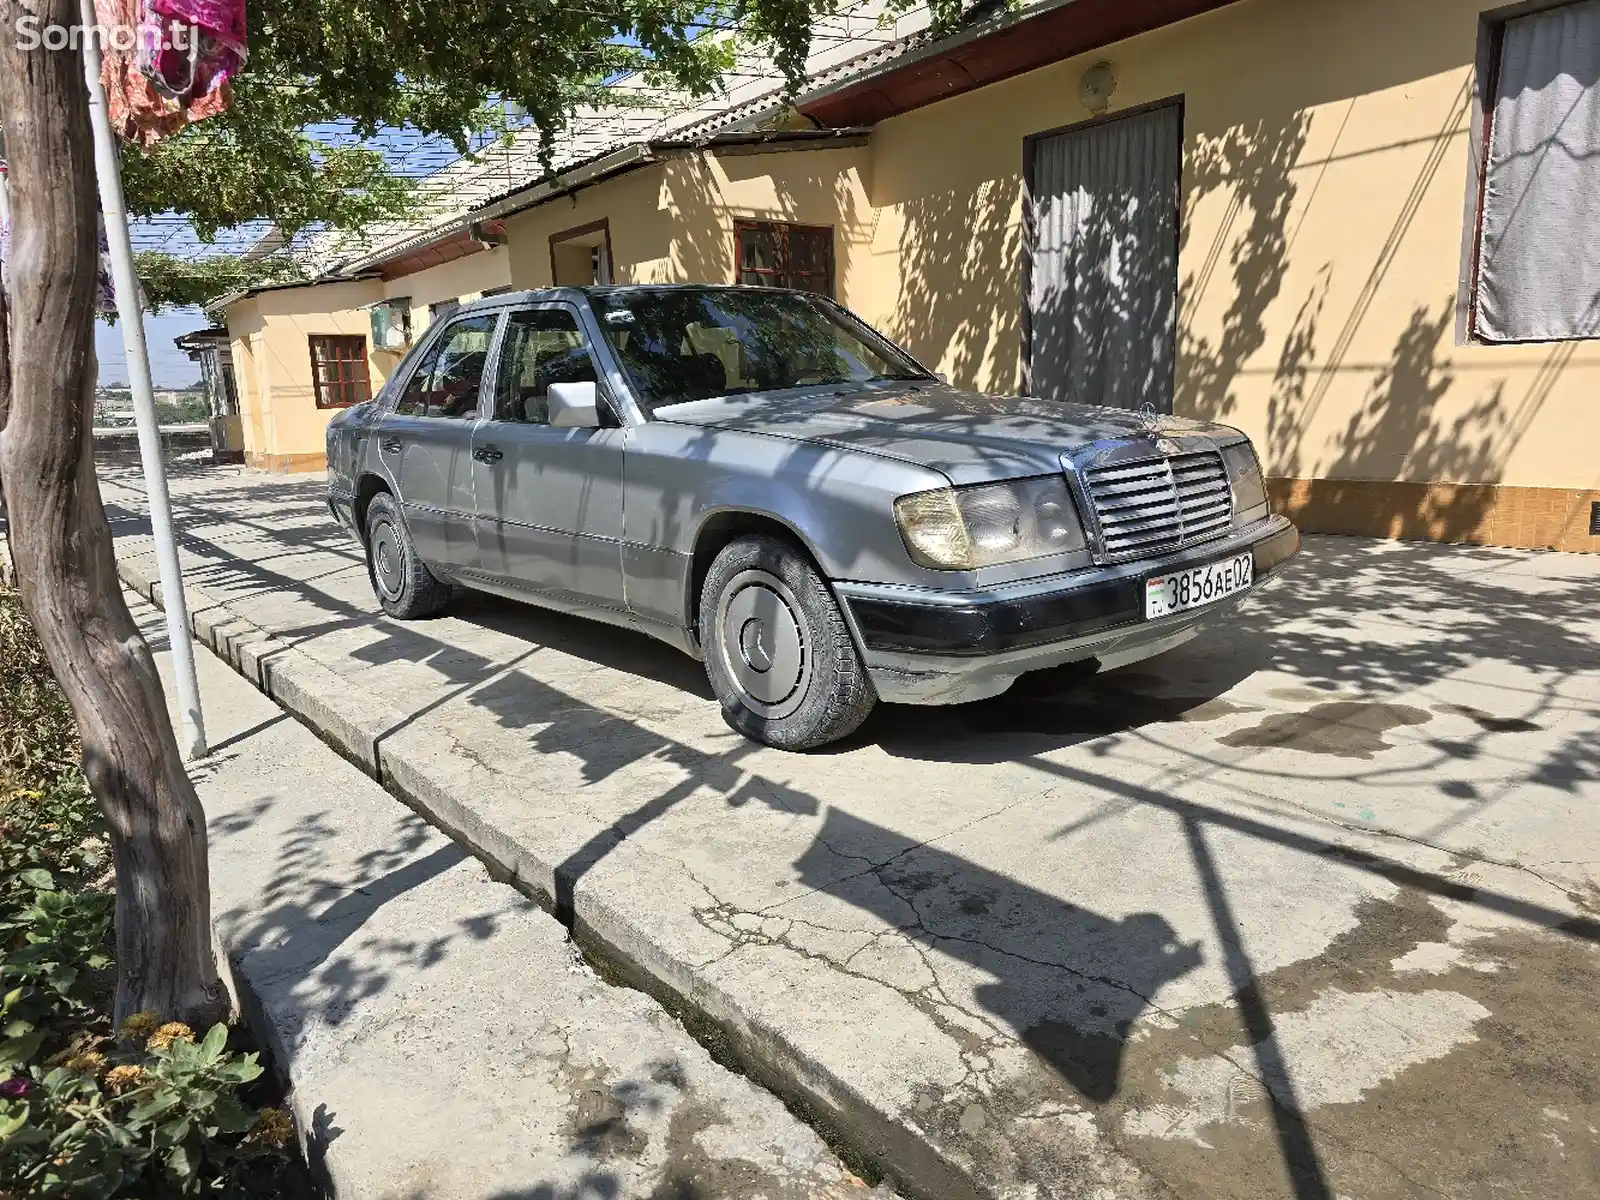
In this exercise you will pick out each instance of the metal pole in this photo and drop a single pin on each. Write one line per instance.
(109, 171)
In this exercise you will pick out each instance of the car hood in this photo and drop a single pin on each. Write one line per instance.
(972, 437)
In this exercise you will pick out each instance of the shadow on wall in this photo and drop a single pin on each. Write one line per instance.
(702, 248)
(1255, 165)
(958, 305)
(1400, 431)
(709, 192)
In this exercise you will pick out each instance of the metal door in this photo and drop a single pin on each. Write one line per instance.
(549, 501)
(427, 439)
(1101, 273)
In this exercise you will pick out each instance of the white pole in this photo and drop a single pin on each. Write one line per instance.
(131, 319)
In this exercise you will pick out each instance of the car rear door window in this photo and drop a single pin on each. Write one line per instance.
(542, 346)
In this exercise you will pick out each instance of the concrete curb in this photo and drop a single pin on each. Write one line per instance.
(429, 774)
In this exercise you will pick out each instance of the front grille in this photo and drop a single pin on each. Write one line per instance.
(1160, 504)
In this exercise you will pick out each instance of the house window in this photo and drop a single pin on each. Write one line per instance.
(339, 370)
(1537, 267)
(788, 256)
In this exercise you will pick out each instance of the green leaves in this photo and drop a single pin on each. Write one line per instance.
(172, 282)
(167, 1122)
(211, 1048)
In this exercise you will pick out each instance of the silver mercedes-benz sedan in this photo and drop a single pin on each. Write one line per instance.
(759, 478)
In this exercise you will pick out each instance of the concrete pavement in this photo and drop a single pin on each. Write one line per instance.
(443, 1038)
(1305, 909)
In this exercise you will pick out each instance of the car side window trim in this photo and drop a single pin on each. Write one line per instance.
(491, 366)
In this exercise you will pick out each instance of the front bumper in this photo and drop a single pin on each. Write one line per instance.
(923, 646)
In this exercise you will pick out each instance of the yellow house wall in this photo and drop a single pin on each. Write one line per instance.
(641, 231)
(1325, 173)
(672, 222)
(270, 334)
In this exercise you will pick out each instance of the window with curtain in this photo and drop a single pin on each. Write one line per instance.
(1538, 266)
(339, 375)
(787, 256)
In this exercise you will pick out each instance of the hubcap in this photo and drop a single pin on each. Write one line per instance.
(763, 643)
(387, 561)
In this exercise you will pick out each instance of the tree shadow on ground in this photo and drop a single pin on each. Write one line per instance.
(1071, 982)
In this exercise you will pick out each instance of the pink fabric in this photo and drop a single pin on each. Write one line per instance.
(222, 19)
(155, 89)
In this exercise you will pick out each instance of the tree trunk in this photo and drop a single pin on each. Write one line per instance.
(61, 543)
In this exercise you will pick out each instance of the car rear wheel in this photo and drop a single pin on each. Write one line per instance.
(400, 579)
(778, 654)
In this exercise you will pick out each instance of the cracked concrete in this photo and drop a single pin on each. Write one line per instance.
(1307, 909)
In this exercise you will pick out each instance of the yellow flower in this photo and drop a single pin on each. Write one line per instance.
(91, 1062)
(123, 1078)
(172, 1031)
(140, 1026)
(272, 1128)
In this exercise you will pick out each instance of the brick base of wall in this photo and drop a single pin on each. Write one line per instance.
(1479, 514)
(286, 464)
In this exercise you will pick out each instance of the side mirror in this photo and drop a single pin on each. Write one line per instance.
(943, 377)
(574, 406)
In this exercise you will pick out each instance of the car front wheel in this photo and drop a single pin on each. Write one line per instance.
(778, 654)
(400, 579)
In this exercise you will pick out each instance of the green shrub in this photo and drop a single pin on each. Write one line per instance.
(165, 1118)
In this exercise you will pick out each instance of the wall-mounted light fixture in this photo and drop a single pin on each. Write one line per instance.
(1097, 86)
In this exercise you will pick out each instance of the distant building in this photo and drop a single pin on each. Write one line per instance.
(209, 348)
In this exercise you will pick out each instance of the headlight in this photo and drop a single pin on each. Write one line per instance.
(961, 529)
(1244, 476)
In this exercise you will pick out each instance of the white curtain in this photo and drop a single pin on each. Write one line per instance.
(1539, 266)
(1103, 292)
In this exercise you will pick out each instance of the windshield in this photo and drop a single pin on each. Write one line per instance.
(678, 345)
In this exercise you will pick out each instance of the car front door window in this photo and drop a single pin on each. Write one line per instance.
(542, 346)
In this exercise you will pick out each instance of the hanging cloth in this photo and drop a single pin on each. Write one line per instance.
(166, 63)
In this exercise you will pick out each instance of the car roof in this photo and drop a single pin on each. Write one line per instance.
(535, 295)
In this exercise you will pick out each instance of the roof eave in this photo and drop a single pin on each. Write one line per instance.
(932, 49)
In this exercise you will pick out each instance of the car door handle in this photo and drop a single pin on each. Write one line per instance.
(487, 454)
(390, 445)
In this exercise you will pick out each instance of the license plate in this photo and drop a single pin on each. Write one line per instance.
(1197, 587)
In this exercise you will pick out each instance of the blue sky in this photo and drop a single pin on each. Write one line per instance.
(169, 366)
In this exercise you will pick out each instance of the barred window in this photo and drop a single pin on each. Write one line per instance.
(787, 256)
(339, 370)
